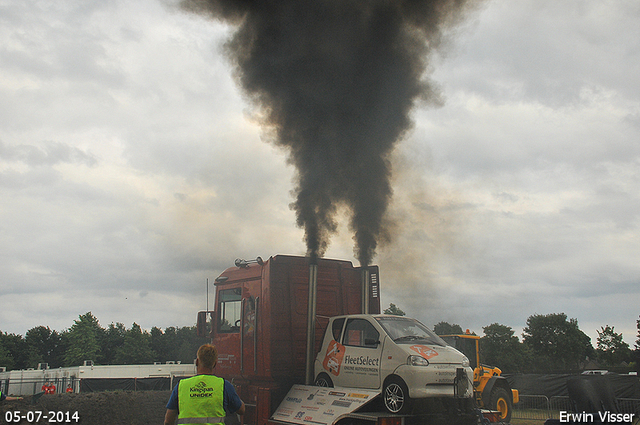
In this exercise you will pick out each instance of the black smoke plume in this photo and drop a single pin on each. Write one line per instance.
(334, 82)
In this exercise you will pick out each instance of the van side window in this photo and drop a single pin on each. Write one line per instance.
(336, 329)
(361, 333)
(229, 307)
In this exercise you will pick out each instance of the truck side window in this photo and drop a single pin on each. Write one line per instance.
(361, 333)
(336, 329)
(229, 306)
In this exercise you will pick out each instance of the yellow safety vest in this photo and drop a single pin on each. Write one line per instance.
(200, 400)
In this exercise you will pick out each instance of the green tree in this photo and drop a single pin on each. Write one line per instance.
(500, 347)
(556, 343)
(637, 350)
(394, 310)
(83, 340)
(164, 344)
(113, 338)
(176, 344)
(6, 357)
(445, 328)
(611, 349)
(45, 346)
(188, 343)
(136, 348)
(14, 351)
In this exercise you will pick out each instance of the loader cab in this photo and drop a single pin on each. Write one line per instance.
(467, 344)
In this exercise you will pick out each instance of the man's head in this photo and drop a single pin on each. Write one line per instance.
(207, 356)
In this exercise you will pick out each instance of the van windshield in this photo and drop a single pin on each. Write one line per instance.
(404, 330)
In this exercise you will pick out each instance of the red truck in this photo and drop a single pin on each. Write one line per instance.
(267, 345)
(259, 323)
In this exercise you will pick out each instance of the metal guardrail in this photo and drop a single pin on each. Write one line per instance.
(532, 407)
(629, 405)
(540, 407)
(560, 404)
(31, 386)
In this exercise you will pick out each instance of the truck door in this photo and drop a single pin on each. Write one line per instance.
(227, 333)
(250, 310)
(363, 349)
(236, 333)
(237, 328)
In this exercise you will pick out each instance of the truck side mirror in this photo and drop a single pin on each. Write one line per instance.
(202, 326)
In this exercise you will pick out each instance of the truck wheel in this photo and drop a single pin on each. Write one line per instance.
(323, 380)
(396, 396)
(501, 402)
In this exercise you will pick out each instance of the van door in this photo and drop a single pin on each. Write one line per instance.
(363, 349)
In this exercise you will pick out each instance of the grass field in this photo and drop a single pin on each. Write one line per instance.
(527, 422)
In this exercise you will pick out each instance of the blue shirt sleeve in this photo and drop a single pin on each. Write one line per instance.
(173, 400)
(231, 401)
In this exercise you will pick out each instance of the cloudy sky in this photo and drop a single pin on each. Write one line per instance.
(131, 169)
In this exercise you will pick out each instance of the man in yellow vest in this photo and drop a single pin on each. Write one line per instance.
(204, 398)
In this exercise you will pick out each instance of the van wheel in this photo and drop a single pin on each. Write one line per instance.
(501, 402)
(396, 396)
(323, 380)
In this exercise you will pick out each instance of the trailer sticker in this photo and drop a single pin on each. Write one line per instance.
(341, 403)
(425, 352)
(333, 358)
(327, 406)
(357, 395)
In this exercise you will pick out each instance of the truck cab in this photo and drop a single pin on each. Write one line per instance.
(398, 356)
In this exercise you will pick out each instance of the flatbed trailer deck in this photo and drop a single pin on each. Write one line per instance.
(311, 405)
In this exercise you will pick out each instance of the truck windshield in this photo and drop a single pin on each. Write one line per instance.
(408, 331)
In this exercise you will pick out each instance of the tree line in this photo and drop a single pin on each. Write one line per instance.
(550, 343)
(86, 339)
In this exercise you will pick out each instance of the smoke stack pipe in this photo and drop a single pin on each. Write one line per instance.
(311, 321)
(365, 291)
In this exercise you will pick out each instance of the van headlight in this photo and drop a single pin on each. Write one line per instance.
(417, 361)
(465, 361)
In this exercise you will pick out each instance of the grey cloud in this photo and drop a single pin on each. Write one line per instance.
(548, 52)
(50, 153)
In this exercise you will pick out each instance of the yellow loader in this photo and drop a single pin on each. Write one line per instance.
(490, 389)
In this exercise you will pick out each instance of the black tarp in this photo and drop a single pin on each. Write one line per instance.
(88, 385)
(177, 379)
(623, 386)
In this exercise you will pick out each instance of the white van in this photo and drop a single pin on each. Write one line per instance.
(397, 355)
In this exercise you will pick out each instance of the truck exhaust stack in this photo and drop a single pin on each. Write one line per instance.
(311, 321)
(365, 291)
(369, 289)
